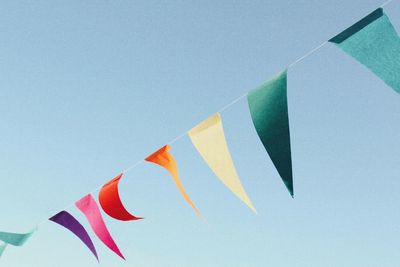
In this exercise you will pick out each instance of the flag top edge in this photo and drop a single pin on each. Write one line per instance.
(358, 26)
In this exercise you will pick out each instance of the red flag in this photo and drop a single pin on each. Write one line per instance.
(111, 202)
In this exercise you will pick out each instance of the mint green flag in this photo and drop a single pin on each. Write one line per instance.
(269, 112)
(374, 42)
(2, 248)
(15, 239)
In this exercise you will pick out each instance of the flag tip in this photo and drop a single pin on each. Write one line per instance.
(253, 209)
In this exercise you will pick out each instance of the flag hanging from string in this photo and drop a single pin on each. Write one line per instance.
(165, 159)
(374, 42)
(111, 202)
(88, 206)
(15, 239)
(68, 221)
(269, 112)
(209, 139)
(2, 248)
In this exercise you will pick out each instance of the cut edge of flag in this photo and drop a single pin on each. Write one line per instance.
(358, 26)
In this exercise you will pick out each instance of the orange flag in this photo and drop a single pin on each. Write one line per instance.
(163, 158)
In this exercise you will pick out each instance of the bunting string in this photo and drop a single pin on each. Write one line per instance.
(224, 108)
(373, 41)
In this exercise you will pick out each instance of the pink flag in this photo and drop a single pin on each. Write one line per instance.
(88, 206)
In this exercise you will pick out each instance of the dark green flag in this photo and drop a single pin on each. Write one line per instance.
(374, 42)
(269, 112)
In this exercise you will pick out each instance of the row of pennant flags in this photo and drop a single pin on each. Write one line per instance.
(372, 41)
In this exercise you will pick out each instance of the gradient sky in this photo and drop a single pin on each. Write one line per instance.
(90, 87)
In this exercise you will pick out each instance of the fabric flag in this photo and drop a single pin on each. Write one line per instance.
(269, 112)
(209, 139)
(15, 239)
(88, 206)
(111, 202)
(163, 158)
(65, 219)
(2, 248)
(374, 42)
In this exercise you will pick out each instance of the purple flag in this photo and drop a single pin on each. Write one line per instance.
(68, 221)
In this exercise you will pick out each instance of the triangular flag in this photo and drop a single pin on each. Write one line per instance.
(65, 219)
(88, 206)
(2, 248)
(269, 112)
(111, 202)
(209, 139)
(163, 158)
(15, 239)
(374, 42)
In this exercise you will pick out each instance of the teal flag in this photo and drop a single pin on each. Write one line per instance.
(269, 112)
(15, 239)
(2, 248)
(374, 42)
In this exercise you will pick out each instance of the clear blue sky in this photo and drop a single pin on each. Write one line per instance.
(90, 87)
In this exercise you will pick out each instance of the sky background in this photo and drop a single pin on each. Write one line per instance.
(87, 88)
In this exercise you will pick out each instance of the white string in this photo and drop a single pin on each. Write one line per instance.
(226, 107)
(307, 55)
(387, 2)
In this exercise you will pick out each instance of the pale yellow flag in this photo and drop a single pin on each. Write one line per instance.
(209, 139)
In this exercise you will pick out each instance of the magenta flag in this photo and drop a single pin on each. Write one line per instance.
(88, 206)
(65, 219)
